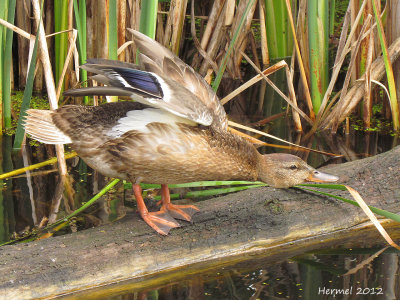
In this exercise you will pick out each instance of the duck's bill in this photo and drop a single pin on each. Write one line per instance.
(318, 176)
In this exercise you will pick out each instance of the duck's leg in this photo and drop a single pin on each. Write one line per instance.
(160, 221)
(183, 212)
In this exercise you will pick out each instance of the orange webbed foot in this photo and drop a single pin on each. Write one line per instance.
(182, 212)
(160, 221)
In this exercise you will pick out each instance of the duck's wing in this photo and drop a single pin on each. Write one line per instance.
(147, 88)
(158, 59)
(161, 80)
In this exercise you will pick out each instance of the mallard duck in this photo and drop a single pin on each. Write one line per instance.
(174, 132)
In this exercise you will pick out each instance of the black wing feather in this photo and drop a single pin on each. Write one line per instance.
(141, 80)
(132, 78)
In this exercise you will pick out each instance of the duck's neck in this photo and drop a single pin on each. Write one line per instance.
(244, 159)
(265, 170)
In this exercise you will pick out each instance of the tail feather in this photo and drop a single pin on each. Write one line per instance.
(39, 124)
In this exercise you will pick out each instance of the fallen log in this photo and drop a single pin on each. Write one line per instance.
(229, 228)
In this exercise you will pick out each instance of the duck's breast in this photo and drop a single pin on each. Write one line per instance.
(180, 153)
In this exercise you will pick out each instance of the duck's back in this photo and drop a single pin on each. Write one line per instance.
(77, 123)
(86, 122)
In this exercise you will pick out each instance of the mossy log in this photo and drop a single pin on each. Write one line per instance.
(257, 221)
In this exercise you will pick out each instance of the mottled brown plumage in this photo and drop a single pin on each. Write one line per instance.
(175, 133)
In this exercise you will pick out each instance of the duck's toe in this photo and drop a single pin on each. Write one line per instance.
(160, 221)
(182, 212)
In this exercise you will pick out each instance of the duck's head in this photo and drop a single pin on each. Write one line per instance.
(285, 170)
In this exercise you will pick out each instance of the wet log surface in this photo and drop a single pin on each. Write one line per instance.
(262, 220)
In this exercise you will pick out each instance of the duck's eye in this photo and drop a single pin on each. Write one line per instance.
(293, 167)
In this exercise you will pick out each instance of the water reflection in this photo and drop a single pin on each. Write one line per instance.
(36, 198)
(317, 275)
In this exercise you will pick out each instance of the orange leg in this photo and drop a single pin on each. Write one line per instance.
(183, 212)
(160, 221)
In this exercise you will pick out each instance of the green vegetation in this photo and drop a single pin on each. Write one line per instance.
(60, 40)
(388, 68)
(148, 18)
(80, 21)
(112, 30)
(279, 35)
(37, 102)
(318, 33)
(6, 66)
(224, 62)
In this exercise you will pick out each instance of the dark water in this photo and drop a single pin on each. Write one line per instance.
(309, 276)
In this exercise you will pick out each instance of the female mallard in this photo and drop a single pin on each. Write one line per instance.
(175, 132)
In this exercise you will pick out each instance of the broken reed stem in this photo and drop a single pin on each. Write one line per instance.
(237, 125)
(263, 33)
(356, 92)
(262, 75)
(51, 91)
(292, 102)
(336, 68)
(371, 216)
(368, 89)
(197, 44)
(72, 45)
(300, 62)
(215, 41)
(255, 79)
(35, 166)
(335, 114)
(15, 29)
(177, 24)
